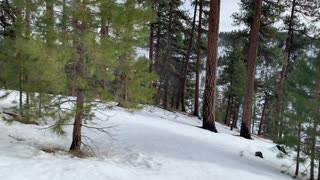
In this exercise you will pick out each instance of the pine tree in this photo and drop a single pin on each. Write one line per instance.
(233, 74)
(253, 47)
(211, 67)
(295, 29)
(169, 61)
(196, 94)
(186, 63)
(303, 88)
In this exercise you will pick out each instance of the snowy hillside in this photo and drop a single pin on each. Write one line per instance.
(150, 144)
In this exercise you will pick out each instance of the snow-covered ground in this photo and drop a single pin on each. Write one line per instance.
(151, 144)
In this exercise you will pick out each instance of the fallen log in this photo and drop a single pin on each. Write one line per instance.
(19, 118)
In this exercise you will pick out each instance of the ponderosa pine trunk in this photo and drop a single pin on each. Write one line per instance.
(298, 150)
(252, 55)
(235, 116)
(314, 128)
(186, 63)
(80, 27)
(196, 92)
(265, 104)
(253, 116)
(227, 110)
(76, 134)
(168, 55)
(211, 67)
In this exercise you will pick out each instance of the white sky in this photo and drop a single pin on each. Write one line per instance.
(228, 7)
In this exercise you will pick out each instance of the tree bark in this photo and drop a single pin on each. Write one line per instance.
(178, 99)
(26, 77)
(151, 45)
(235, 117)
(252, 55)
(80, 26)
(253, 115)
(21, 89)
(227, 111)
(173, 98)
(76, 135)
(313, 150)
(186, 64)
(168, 56)
(298, 150)
(49, 23)
(211, 67)
(27, 114)
(314, 129)
(319, 168)
(40, 106)
(158, 38)
(196, 92)
(265, 104)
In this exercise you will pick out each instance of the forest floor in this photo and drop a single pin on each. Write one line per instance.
(150, 144)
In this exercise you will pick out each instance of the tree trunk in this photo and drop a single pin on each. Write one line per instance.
(178, 99)
(276, 115)
(253, 116)
(27, 114)
(227, 110)
(80, 27)
(151, 44)
(314, 129)
(235, 117)
(319, 168)
(26, 77)
(158, 48)
(76, 135)
(211, 67)
(298, 150)
(21, 89)
(126, 93)
(265, 104)
(28, 19)
(168, 56)
(196, 92)
(313, 150)
(40, 106)
(252, 55)
(49, 23)
(186, 64)
(157, 97)
(173, 98)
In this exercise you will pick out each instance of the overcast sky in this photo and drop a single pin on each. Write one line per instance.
(227, 8)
